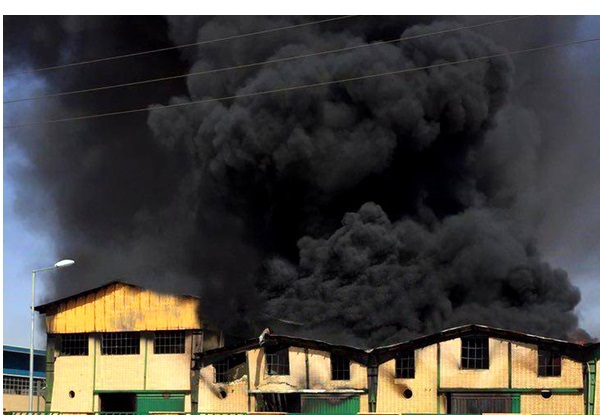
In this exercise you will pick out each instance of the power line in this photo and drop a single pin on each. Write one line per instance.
(187, 45)
(267, 62)
(306, 86)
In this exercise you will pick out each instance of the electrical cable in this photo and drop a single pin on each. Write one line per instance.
(306, 86)
(267, 62)
(187, 45)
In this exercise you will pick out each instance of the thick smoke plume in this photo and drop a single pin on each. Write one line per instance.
(364, 212)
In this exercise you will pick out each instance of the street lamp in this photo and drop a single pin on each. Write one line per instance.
(60, 264)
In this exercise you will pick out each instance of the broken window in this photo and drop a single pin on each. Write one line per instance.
(475, 352)
(169, 342)
(120, 343)
(549, 363)
(229, 369)
(405, 365)
(340, 367)
(278, 402)
(74, 345)
(278, 361)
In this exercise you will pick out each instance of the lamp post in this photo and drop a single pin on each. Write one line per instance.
(60, 264)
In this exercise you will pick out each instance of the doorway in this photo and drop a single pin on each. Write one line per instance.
(117, 402)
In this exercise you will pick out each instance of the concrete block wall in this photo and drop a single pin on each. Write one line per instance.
(210, 398)
(76, 374)
(453, 376)
(390, 390)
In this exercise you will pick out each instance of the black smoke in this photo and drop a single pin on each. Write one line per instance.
(366, 211)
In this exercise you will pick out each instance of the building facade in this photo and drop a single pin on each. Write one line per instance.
(124, 348)
(466, 370)
(15, 378)
(120, 347)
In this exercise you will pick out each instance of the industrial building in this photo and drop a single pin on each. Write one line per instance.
(121, 347)
(15, 378)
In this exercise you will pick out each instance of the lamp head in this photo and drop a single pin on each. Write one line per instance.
(64, 263)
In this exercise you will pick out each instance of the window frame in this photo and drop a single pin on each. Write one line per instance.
(405, 365)
(547, 361)
(167, 336)
(340, 366)
(108, 343)
(71, 340)
(475, 353)
(277, 357)
(19, 385)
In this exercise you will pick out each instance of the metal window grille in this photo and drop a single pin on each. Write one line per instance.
(340, 367)
(278, 361)
(74, 345)
(17, 385)
(549, 363)
(120, 343)
(169, 342)
(405, 365)
(475, 353)
(225, 370)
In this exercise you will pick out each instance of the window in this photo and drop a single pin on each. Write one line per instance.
(74, 345)
(278, 361)
(548, 363)
(169, 342)
(17, 385)
(227, 370)
(340, 367)
(405, 365)
(120, 343)
(475, 353)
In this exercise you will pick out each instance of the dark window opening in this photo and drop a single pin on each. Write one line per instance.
(169, 342)
(120, 343)
(278, 402)
(475, 352)
(549, 363)
(278, 360)
(407, 393)
(230, 369)
(405, 365)
(340, 367)
(481, 403)
(74, 345)
(117, 402)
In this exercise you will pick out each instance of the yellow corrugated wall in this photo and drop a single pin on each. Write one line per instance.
(122, 307)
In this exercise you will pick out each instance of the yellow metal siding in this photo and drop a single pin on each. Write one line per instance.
(424, 386)
(121, 307)
(452, 376)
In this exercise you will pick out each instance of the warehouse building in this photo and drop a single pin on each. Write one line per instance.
(471, 369)
(121, 347)
(15, 378)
